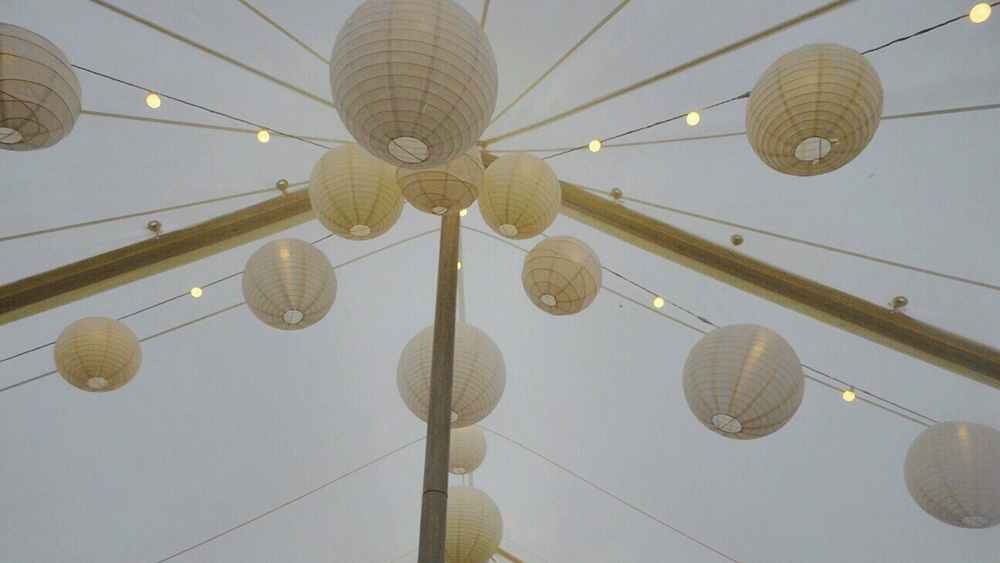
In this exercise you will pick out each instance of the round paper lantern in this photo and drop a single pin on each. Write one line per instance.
(39, 91)
(520, 196)
(289, 284)
(814, 109)
(445, 189)
(478, 381)
(953, 472)
(561, 275)
(743, 381)
(474, 526)
(97, 354)
(414, 81)
(467, 450)
(355, 194)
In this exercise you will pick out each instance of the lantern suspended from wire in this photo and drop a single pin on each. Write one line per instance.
(445, 189)
(814, 110)
(467, 450)
(414, 81)
(289, 284)
(39, 91)
(474, 526)
(355, 194)
(561, 275)
(520, 196)
(97, 354)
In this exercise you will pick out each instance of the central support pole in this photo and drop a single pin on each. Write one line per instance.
(433, 512)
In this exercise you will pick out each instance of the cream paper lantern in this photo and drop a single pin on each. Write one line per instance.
(520, 196)
(478, 381)
(414, 81)
(474, 526)
(355, 194)
(97, 354)
(39, 91)
(953, 472)
(289, 284)
(467, 450)
(561, 275)
(743, 381)
(445, 189)
(814, 109)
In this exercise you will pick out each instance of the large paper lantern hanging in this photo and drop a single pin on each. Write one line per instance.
(289, 284)
(479, 375)
(814, 109)
(520, 196)
(953, 472)
(743, 381)
(39, 91)
(474, 526)
(467, 450)
(414, 81)
(97, 354)
(561, 275)
(355, 194)
(445, 189)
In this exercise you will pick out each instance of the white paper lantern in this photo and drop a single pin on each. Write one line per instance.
(97, 354)
(521, 196)
(814, 109)
(953, 472)
(467, 450)
(561, 275)
(743, 381)
(445, 189)
(39, 91)
(289, 284)
(474, 526)
(478, 381)
(414, 81)
(355, 194)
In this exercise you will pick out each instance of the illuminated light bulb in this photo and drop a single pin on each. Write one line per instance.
(595, 145)
(693, 118)
(463, 213)
(980, 12)
(658, 302)
(849, 395)
(196, 292)
(152, 100)
(460, 265)
(263, 136)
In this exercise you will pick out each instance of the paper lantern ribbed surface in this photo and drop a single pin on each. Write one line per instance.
(445, 189)
(479, 376)
(520, 196)
(561, 275)
(743, 381)
(474, 526)
(355, 194)
(953, 472)
(289, 284)
(97, 354)
(39, 91)
(414, 81)
(814, 109)
(467, 450)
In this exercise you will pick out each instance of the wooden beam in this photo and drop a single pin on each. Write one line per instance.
(106, 271)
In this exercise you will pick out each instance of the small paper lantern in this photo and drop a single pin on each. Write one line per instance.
(743, 381)
(561, 275)
(520, 196)
(953, 472)
(97, 354)
(39, 91)
(814, 109)
(289, 284)
(474, 526)
(355, 194)
(445, 189)
(478, 381)
(467, 450)
(414, 81)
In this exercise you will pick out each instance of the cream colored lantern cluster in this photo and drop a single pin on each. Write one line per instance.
(467, 449)
(289, 284)
(355, 194)
(445, 189)
(561, 275)
(520, 196)
(474, 526)
(97, 354)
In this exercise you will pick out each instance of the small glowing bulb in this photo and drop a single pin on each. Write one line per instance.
(658, 302)
(595, 145)
(693, 118)
(463, 213)
(263, 136)
(849, 395)
(460, 265)
(980, 12)
(283, 253)
(196, 292)
(152, 100)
